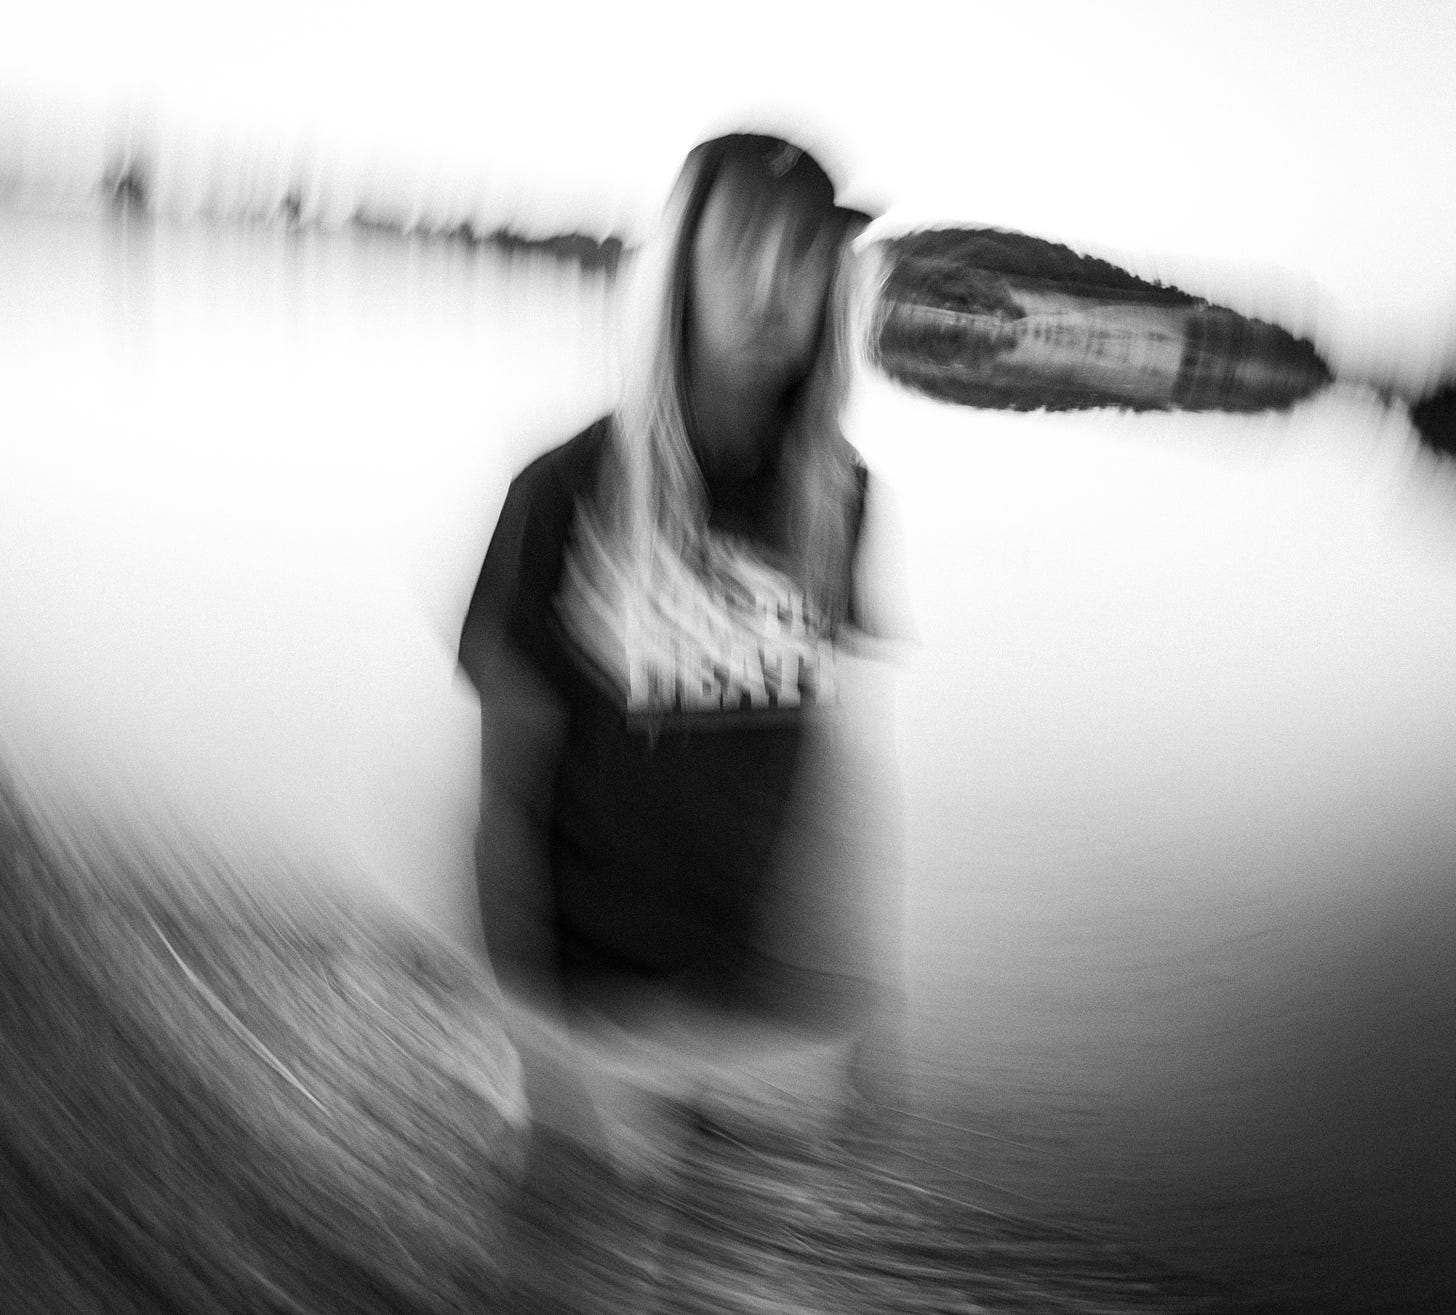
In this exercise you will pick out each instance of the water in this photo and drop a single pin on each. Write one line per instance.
(1163, 784)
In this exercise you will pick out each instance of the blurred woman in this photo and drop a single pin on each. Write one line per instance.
(653, 638)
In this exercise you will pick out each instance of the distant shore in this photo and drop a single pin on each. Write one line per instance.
(125, 191)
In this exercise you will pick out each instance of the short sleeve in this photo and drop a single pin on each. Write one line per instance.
(877, 609)
(855, 612)
(511, 604)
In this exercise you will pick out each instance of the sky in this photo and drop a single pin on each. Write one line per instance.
(1299, 154)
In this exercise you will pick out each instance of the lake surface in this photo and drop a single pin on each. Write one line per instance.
(1164, 784)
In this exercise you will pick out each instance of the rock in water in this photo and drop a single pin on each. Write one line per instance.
(996, 319)
(1434, 418)
(219, 1093)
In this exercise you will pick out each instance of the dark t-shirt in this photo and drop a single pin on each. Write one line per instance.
(663, 829)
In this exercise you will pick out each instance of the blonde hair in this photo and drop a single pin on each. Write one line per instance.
(652, 501)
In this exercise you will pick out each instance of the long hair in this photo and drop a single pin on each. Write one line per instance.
(652, 503)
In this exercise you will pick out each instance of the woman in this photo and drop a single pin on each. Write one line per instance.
(653, 636)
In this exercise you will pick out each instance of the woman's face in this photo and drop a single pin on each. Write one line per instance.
(759, 276)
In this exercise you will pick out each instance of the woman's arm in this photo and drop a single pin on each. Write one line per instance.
(510, 656)
(523, 725)
(505, 653)
(522, 735)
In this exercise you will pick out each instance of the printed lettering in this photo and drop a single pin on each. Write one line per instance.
(744, 681)
(789, 679)
(825, 675)
(701, 688)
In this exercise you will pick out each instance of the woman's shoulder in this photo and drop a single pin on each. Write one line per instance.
(570, 467)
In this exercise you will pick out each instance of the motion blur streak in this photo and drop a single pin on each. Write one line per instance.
(224, 1089)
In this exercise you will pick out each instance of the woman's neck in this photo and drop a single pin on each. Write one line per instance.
(735, 428)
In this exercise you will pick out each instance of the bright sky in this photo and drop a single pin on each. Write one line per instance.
(1309, 142)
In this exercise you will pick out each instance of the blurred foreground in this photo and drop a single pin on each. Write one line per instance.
(226, 1091)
